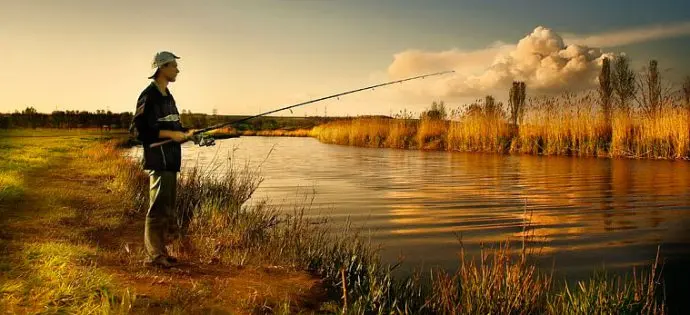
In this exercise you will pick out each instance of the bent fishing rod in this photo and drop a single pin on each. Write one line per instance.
(302, 104)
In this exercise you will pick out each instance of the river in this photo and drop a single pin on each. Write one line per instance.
(584, 213)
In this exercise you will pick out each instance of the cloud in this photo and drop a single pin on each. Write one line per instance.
(631, 36)
(416, 61)
(546, 61)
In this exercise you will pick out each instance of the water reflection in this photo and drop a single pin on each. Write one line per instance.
(583, 212)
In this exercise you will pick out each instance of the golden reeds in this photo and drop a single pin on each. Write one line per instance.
(566, 125)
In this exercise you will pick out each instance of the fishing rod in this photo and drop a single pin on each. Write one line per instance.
(303, 103)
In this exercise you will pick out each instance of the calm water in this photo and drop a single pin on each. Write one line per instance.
(585, 213)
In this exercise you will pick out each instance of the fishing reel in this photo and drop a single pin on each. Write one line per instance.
(203, 140)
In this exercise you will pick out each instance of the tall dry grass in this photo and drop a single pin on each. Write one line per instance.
(498, 283)
(121, 173)
(566, 125)
(284, 133)
(432, 134)
(479, 134)
(231, 132)
(370, 132)
(666, 135)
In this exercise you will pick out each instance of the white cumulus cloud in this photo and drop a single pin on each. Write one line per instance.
(546, 61)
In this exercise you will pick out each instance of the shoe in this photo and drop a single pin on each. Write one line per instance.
(161, 262)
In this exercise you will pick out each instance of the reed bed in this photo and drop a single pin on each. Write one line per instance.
(570, 125)
(477, 134)
(230, 132)
(284, 133)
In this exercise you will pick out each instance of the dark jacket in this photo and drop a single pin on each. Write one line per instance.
(156, 112)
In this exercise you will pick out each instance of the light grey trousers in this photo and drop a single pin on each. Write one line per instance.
(161, 217)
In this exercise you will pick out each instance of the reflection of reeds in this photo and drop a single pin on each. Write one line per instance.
(565, 125)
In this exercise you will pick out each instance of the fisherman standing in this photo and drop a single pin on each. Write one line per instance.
(157, 119)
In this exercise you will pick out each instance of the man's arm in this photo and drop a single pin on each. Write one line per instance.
(148, 127)
(178, 136)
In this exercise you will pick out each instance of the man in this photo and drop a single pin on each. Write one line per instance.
(157, 119)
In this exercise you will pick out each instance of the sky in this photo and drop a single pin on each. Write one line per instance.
(247, 57)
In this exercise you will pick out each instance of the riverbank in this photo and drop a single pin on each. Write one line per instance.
(241, 259)
(71, 241)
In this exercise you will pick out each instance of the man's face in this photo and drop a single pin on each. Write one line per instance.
(169, 71)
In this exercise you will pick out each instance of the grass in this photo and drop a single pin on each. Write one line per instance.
(68, 256)
(59, 279)
(53, 274)
(566, 125)
(14, 166)
(23, 155)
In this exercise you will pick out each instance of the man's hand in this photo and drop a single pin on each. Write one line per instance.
(177, 136)
(190, 133)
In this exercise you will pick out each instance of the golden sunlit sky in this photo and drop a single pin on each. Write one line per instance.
(244, 57)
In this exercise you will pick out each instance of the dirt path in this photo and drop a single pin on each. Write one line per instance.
(68, 205)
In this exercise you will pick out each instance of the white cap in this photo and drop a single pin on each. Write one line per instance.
(160, 59)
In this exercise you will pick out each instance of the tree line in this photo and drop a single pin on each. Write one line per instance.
(620, 88)
(72, 119)
(69, 119)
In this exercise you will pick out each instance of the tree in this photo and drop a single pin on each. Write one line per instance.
(605, 91)
(492, 110)
(83, 118)
(29, 116)
(58, 118)
(489, 105)
(651, 90)
(5, 121)
(517, 102)
(686, 93)
(185, 118)
(623, 81)
(126, 120)
(437, 111)
(29, 111)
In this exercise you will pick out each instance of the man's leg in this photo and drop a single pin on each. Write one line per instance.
(161, 206)
(173, 216)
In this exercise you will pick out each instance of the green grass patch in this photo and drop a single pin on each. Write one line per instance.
(57, 277)
(11, 185)
(26, 150)
(54, 276)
